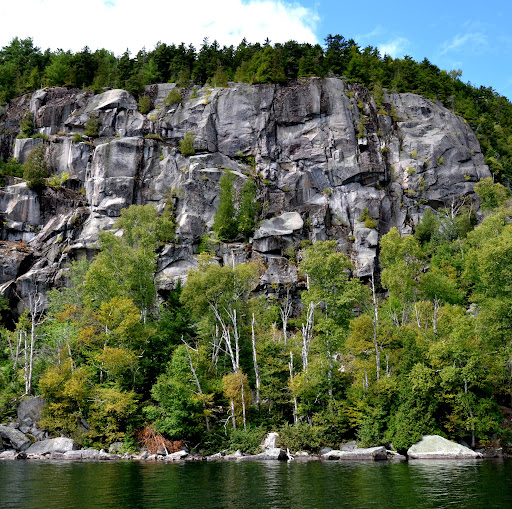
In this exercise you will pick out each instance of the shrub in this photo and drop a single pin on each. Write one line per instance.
(368, 221)
(187, 145)
(174, 97)
(301, 437)
(35, 168)
(11, 168)
(248, 440)
(92, 127)
(27, 126)
(77, 138)
(57, 180)
(153, 136)
(144, 104)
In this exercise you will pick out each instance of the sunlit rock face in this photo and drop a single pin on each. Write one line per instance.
(321, 153)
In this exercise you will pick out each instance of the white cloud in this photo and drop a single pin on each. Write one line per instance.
(395, 48)
(120, 24)
(381, 38)
(476, 42)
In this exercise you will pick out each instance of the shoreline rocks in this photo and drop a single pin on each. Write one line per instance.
(364, 454)
(437, 447)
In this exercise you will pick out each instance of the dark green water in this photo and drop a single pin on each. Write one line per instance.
(432, 484)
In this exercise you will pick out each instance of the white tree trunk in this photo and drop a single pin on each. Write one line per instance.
(255, 361)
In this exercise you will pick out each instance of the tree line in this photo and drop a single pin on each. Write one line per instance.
(425, 349)
(25, 68)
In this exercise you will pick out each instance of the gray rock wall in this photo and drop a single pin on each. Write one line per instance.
(323, 151)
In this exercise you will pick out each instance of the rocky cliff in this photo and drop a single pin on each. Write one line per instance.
(323, 151)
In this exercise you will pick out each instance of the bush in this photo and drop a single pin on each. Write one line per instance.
(27, 126)
(144, 104)
(77, 138)
(57, 180)
(246, 440)
(35, 168)
(11, 168)
(301, 437)
(174, 97)
(92, 127)
(368, 221)
(187, 145)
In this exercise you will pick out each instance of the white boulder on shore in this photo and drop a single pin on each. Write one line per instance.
(52, 445)
(370, 453)
(437, 447)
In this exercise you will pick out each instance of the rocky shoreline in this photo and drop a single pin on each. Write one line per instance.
(22, 439)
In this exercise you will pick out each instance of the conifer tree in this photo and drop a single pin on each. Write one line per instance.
(224, 224)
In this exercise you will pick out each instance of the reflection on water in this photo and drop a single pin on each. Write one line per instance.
(418, 484)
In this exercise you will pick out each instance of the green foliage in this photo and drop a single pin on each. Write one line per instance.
(224, 223)
(492, 195)
(179, 412)
(248, 440)
(187, 145)
(173, 97)
(77, 138)
(301, 437)
(144, 104)
(10, 168)
(126, 265)
(35, 168)
(92, 127)
(57, 180)
(368, 221)
(248, 210)
(27, 126)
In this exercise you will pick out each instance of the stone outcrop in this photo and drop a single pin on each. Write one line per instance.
(365, 454)
(436, 447)
(319, 150)
(51, 445)
(12, 438)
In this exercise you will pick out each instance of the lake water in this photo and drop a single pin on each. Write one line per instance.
(428, 484)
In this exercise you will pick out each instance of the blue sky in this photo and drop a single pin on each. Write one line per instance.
(453, 34)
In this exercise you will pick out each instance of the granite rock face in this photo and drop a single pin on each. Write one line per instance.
(319, 150)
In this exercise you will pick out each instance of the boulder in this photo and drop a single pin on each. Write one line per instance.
(51, 445)
(176, 456)
(368, 454)
(284, 224)
(436, 447)
(270, 441)
(8, 455)
(29, 410)
(14, 438)
(271, 454)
